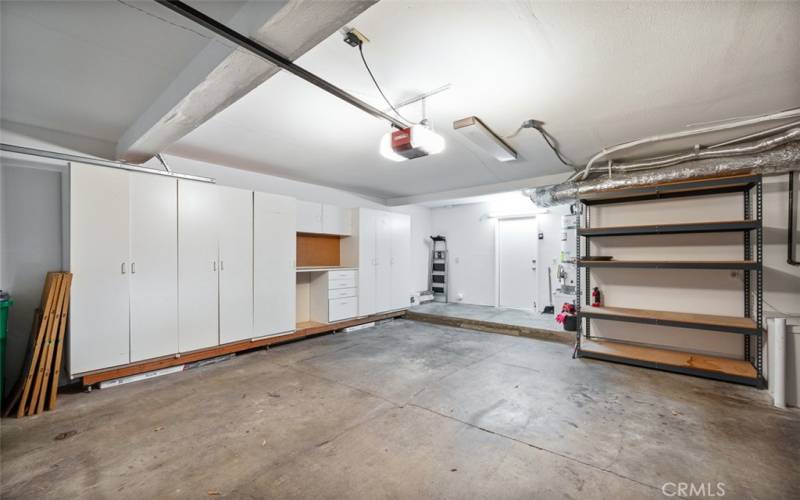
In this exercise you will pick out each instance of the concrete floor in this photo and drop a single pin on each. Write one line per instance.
(406, 410)
(500, 315)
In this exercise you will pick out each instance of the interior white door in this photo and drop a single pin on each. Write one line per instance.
(235, 264)
(517, 244)
(154, 266)
(367, 224)
(275, 245)
(99, 255)
(198, 255)
(383, 262)
(401, 260)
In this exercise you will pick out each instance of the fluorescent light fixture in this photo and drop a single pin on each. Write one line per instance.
(482, 136)
(417, 141)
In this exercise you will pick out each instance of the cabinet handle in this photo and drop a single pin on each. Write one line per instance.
(221, 265)
(123, 268)
(133, 267)
(214, 264)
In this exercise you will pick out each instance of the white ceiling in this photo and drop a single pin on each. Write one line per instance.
(92, 67)
(597, 74)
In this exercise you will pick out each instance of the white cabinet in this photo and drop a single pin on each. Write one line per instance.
(309, 217)
(401, 261)
(333, 296)
(99, 256)
(235, 264)
(383, 261)
(337, 220)
(153, 266)
(318, 218)
(384, 253)
(198, 249)
(367, 231)
(274, 240)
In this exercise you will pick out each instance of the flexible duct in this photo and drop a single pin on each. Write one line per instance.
(775, 155)
(792, 113)
(699, 154)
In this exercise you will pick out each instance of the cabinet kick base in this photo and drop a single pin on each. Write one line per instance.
(310, 330)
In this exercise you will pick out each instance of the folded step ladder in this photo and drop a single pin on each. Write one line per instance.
(439, 265)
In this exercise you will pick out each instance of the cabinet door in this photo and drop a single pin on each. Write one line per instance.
(337, 220)
(235, 265)
(367, 220)
(401, 260)
(154, 266)
(99, 254)
(383, 262)
(275, 243)
(198, 250)
(309, 217)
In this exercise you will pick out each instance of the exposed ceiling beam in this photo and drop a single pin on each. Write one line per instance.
(221, 74)
(273, 57)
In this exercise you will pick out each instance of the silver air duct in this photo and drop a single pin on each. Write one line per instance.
(771, 156)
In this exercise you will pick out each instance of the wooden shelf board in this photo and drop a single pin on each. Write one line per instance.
(669, 358)
(689, 227)
(670, 318)
(672, 264)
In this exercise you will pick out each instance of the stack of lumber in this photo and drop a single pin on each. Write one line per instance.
(38, 387)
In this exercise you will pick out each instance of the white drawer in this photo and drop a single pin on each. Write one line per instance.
(343, 283)
(341, 293)
(349, 274)
(339, 309)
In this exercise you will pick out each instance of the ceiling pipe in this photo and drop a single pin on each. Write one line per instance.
(270, 56)
(697, 154)
(777, 155)
(792, 113)
(53, 155)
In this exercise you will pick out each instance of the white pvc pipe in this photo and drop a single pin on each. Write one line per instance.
(779, 353)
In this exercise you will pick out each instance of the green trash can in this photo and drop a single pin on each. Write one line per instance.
(5, 303)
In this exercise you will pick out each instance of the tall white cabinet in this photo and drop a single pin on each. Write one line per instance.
(235, 264)
(274, 242)
(123, 256)
(198, 264)
(384, 252)
(99, 262)
(400, 262)
(153, 266)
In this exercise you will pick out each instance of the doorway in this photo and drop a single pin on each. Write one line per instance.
(517, 250)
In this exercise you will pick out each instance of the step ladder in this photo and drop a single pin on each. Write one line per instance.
(439, 265)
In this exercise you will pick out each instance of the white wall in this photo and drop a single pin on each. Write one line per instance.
(471, 241)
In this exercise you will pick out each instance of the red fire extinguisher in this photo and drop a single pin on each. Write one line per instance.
(596, 297)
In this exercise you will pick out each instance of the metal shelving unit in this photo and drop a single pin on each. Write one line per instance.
(748, 371)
